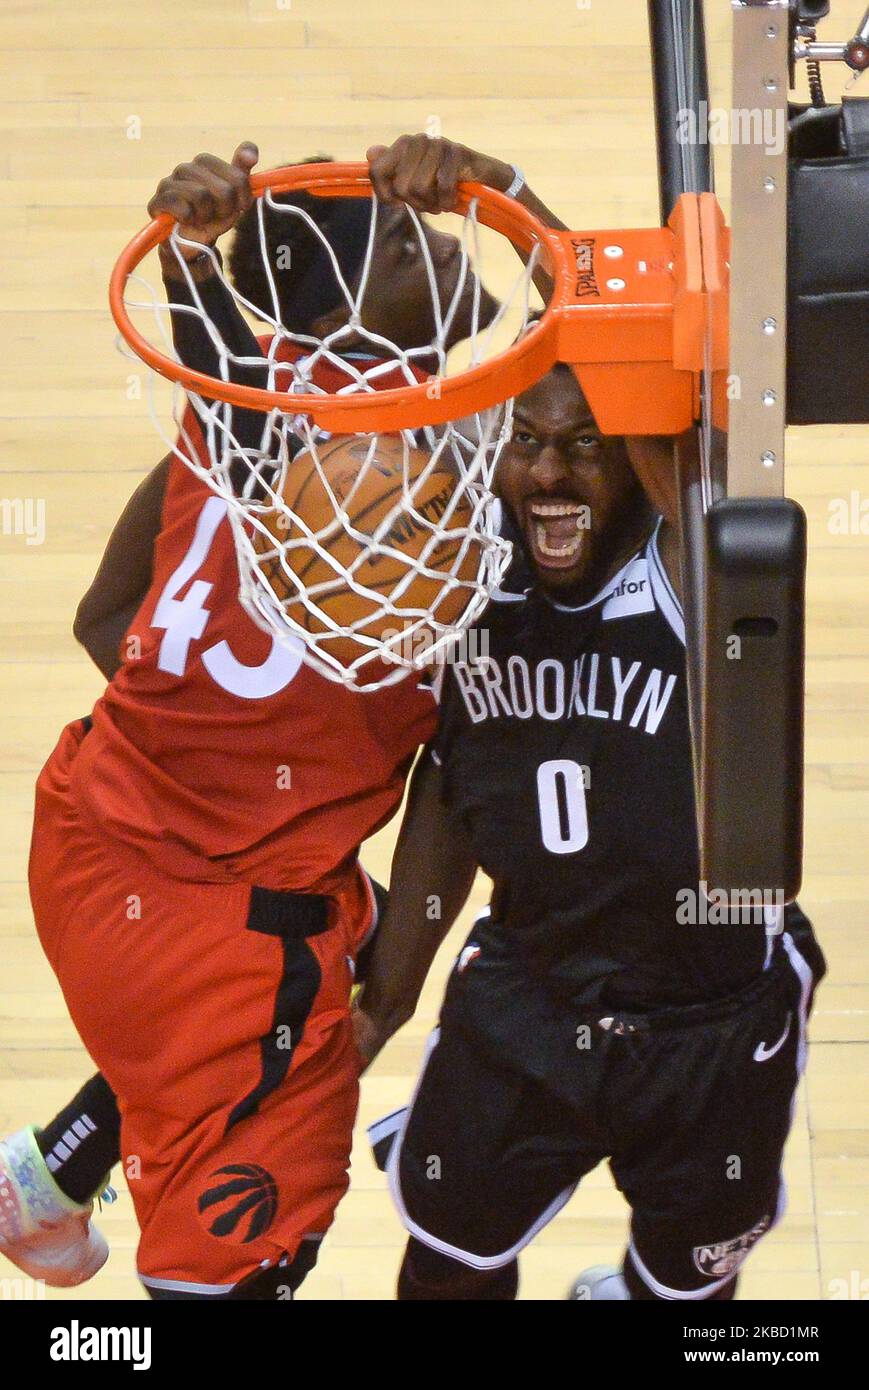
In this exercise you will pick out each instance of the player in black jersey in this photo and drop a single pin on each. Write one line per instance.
(604, 1008)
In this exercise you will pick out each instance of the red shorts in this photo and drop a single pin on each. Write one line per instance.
(220, 1016)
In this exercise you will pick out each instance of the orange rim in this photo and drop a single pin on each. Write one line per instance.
(506, 374)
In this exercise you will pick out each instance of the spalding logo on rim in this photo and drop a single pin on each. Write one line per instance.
(724, 1258)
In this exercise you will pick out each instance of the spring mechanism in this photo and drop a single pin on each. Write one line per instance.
(816, 87)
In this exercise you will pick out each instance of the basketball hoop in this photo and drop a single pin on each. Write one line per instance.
(409, 406)
(631, 326)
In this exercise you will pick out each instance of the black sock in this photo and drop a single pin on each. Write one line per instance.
(426, 1274)
(83, 1143)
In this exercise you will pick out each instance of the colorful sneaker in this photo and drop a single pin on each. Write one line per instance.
(42, 1231)
(600, 1282)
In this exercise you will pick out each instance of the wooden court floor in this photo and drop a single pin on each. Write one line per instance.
(97, 102)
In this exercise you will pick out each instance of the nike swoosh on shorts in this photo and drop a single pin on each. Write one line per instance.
(762, 1053)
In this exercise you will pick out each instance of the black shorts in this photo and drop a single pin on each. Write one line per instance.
(692, 1108)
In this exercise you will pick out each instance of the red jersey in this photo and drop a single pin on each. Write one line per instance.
(220, 753)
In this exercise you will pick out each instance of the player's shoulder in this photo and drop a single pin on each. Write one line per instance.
(667, 601)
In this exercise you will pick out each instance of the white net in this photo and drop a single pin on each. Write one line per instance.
(375, 551)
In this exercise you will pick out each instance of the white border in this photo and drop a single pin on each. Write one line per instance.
(464, 1257)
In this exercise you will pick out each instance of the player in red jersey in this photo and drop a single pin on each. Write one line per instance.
(194, 871)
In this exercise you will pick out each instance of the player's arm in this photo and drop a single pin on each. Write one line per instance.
(432, 874)
(124, 576)
(654, 461)
(426, 173)
(207, 197)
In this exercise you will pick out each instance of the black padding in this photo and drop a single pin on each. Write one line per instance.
(828, 265)
(811, 11)
(855, 125)
(753, 683)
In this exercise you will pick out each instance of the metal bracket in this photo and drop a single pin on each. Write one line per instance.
(759, 183)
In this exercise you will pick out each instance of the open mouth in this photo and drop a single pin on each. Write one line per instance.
(557, 531)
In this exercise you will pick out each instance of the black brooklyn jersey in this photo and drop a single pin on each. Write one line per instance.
(565, 749)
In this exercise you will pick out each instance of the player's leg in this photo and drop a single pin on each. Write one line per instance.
(50, 1177)
(48, 1180)
(277, 1284)
(706, 1110)
(74, 1153)
(254, 1172)
(220, 1016)
(428, 1275)
(43, 1229)
(82, 1143)
(232, 1055)
(43, 1232)
(484, 1158)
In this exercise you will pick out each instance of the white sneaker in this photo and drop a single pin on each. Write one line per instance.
(42, 1231)
(600, 1282)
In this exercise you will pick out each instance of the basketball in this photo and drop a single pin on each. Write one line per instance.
(368, 486)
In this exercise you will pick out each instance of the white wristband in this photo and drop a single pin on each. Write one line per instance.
(518, 182)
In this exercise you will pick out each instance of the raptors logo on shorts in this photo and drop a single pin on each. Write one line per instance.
(242, 1203)
(724, 1258)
